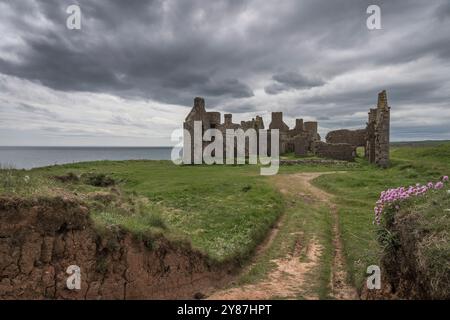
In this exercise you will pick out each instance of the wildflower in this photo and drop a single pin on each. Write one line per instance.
(393, 196)
(26, 179)
(439, 185)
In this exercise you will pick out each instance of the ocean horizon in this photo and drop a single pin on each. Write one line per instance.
(29, 157)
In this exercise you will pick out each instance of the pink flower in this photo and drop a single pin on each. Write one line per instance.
(401, 193)
(439, 185)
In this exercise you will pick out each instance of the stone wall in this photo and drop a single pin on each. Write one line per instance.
(378, 132)
(300, 147)
(311, 126)
(370, 136)
(304, 137)
(338, 151)
(356, 138)
(214, 119)
(382, 131)
(277, 122)
(298, 125)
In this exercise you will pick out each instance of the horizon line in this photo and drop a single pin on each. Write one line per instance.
(80, 146)
(106, 146)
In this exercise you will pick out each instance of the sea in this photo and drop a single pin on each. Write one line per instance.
(34, 157)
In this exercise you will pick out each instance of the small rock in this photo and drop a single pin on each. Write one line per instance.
(199, 296)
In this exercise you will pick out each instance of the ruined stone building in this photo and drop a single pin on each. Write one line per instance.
(374, 138)
(378, 132)
(304, 139)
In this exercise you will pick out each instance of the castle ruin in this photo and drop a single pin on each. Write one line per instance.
(374, 138)
(303, 139)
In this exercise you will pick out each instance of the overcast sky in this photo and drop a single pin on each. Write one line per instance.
(130, 75)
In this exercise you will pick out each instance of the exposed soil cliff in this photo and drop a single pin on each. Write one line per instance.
(417, 264)
(416, 259)
(40, 238)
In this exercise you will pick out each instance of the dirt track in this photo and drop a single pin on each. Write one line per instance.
(288, 279)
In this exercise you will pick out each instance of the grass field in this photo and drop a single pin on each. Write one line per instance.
(357, 191)
(226, 211)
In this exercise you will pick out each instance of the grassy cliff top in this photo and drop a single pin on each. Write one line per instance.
(226, 211)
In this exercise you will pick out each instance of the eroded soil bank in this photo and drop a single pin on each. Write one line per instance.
(40, 238)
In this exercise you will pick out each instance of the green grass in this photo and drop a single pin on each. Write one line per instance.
(139, 218)
(357, 191)
(225, 211)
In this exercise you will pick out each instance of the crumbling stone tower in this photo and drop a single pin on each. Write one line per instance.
(209, 120)
(370, 136)
(278, 123)
(382, 131)
(378, 131)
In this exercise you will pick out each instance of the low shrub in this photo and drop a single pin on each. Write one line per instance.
(99, 180)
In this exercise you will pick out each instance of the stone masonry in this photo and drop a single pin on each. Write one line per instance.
(356, 138)
(337, 151)
(304, 139)
(378, 132)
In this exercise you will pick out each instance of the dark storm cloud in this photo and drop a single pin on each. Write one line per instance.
(296, 80)
(291, 80)
(443, 10)
(56, 64)
(122, 49)
(238, 108)
(316, 57)
(403, 93)
(170, 51)
(233, 87)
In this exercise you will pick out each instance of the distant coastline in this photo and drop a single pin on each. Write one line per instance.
(28, 157)
(422, 143)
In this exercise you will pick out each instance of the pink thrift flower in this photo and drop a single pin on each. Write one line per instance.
(402, 193)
